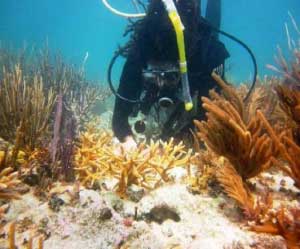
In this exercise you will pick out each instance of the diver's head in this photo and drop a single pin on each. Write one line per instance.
(189, 11)
(161, 82)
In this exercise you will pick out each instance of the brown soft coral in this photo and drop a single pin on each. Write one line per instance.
(288, 150)
(254, 208)
(284, 222)
(290, 104)
(24, 102)
(233, 131)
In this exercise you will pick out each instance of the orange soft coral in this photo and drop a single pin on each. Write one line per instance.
(233, 131)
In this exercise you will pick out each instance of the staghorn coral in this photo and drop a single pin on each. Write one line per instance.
(98, 158)
(234, 132)
(38, 170)
(8, 182)
(8, 176)
(148, 165)
(90, 158)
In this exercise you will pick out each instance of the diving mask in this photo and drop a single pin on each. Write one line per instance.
(162, 78)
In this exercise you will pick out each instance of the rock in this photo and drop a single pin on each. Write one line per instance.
(22, 189)
(105, 214)
(31, 179)
(268, 242)
(55, 203)
(114, 201)
(88, 197)
(161, 213)
(135, 193)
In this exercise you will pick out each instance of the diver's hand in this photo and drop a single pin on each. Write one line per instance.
(129, 144)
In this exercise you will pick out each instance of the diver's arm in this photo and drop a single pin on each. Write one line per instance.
(130, 87)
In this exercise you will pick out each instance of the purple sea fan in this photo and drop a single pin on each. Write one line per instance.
(68, 149)
(57, 127)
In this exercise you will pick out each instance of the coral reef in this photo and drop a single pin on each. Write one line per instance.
(97, 158)
(159, 194)
(28, 91)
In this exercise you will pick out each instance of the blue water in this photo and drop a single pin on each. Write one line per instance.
(75, 27)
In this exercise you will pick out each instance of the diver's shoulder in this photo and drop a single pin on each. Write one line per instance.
(203, 25)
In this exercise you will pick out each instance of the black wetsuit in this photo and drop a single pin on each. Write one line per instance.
(157, 42)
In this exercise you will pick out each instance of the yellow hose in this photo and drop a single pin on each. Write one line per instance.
(180, 39)
(176, 22)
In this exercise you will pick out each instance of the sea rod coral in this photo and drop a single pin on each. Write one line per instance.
(234, 132)
(24, 101)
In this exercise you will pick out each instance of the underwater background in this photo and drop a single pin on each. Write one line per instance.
(67, 182)
(77, 27)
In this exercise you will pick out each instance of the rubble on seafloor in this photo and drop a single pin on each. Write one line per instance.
(168, 217)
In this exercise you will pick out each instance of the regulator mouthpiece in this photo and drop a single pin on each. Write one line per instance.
(165, 102)
(140, 126)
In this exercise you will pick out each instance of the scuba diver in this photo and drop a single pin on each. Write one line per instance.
(170, 56)
(152, 72)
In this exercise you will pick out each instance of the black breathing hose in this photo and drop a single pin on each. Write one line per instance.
(250, 53)
(111, 64)
(119, 52)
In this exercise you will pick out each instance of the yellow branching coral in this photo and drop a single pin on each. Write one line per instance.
(231, 131)
(8, 182)
(98, 158)
(149, 165)
(8, 175)
(91, 160)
